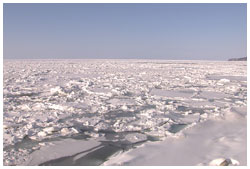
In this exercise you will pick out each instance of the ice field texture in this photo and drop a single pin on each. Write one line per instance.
(124, 112)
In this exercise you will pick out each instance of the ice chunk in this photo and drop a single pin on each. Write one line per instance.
(57, 107)
(24, 107)
(42, 134)
(65, 131)
(57, 91)
(224, 81)
(50, 129)
(223, 162)
(38, 106)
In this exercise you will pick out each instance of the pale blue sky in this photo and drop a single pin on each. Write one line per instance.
(121, 31)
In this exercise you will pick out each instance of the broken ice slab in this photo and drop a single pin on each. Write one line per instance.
(102, 91)
(185, 119)
(205, 104)
(213, 95)
(117, 101)
(231, 78)
(240, 110)
(173, 93)
(176, 127)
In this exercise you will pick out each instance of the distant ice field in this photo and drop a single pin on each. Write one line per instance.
(86, 112)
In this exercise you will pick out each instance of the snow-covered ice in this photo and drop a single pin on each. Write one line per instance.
(124, 112)
(208, 143)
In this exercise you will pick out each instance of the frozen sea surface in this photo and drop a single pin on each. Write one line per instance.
(114, 112)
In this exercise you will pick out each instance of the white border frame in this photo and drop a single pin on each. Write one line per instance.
(106, 1)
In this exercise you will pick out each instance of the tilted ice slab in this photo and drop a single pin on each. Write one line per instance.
(59, 149)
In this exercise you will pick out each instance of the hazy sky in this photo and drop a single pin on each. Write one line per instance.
(143, 31)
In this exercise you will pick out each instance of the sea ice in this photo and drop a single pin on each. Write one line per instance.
(50, 104)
